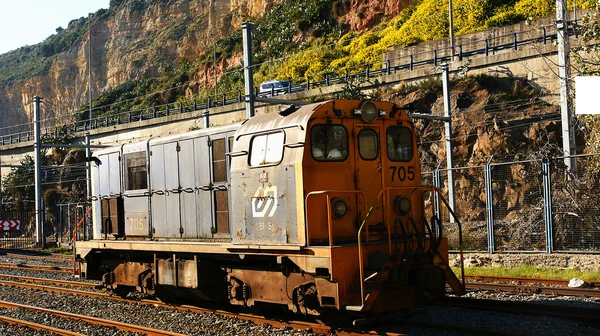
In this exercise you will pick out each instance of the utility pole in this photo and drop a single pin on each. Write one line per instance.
(448, 135)
(248, 81)
(451, 27)
(1, 203)
(215, 61)
(90, 67)
(88, 170)
(88, 149)
(38, 172)
(568, 134)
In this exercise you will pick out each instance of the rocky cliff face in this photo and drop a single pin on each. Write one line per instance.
(143, 38)
(132, 42)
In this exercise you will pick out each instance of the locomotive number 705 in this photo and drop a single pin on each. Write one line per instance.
(403, 173)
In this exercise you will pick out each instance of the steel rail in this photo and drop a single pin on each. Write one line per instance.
(39, 258)
(39, 327)
(52, 281)
(63, 256)
(545, 281)
(38, 268)
(92, 320)
(535, 289)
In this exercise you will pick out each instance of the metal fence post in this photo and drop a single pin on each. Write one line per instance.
(489, 204)
(437, 182)
(60, 230)
(547, 185)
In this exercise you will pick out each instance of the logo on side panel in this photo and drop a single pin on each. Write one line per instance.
(264, 202)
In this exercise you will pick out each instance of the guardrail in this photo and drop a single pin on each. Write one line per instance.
(513, 41)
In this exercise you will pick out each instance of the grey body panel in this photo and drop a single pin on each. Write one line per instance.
(202, 195)
(164, 181)
(109, 174)
(136, 216)
(187, 196)
(180, 180)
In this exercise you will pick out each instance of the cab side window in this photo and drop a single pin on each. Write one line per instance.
(136, 177)
(266, 149)
(399, 143)
(329, 142)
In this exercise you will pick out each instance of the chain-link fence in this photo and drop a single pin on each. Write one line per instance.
(469, 204)
(517, 207)
(575, 206)
(524, 206)
(58, 228)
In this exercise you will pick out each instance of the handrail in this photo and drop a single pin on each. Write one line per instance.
(327, 193)
(435, 190)
(75, 231)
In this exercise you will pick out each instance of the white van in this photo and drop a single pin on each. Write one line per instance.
(273, 87)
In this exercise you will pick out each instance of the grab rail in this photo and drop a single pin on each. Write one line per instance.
(75, 234)
(328, 193)
(437, 193)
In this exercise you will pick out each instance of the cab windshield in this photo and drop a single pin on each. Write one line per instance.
(399, 143)
(329, 142)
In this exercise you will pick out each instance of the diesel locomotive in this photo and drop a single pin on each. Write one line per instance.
(316, 208)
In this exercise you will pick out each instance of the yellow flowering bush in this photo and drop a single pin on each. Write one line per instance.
(426, 20)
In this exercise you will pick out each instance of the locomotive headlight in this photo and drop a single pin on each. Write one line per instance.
(338, 208)
(369, 111)
(402, 205)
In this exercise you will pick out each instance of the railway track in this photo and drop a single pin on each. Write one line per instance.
(88, 319)
(503, 283)
(53, 269)
(256, 319)
(530, 285)
(37, 326)
(65, 283)
(586, 315)
(54, 258)
(534, 289)
(544, 281)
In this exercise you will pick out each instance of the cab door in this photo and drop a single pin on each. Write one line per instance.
(368, 173)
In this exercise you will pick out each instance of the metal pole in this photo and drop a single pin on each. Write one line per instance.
(88, 170)
(206, 119)
(248, 81)
(451, 27)
(448, 131)
(1, 203)
(489, 204)
(437, 182)
(215, 65)
(90, 66)
(546, 174)
(38, 172)
(88, 149)
(563, 74)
